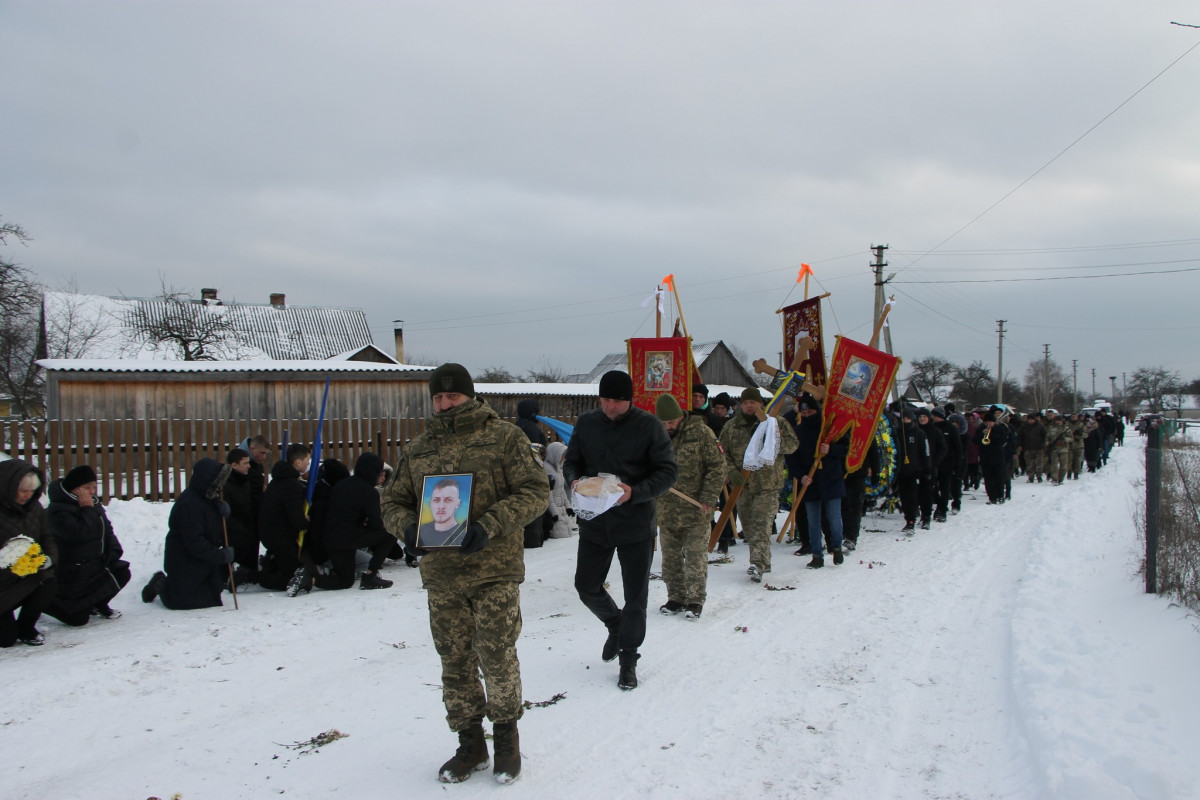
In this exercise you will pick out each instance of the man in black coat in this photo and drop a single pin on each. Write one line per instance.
(912, 463)
(195, 558)
(90, 568)
(527, 411)
(242, 523)
(282, 518)
(633, 445)
(994, 455)
(927, 483)
(948, 467)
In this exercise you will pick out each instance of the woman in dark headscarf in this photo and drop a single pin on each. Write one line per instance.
(27, 554)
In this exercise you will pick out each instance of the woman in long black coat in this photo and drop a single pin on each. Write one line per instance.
(195, 558)
(90, 568)
(27, 583)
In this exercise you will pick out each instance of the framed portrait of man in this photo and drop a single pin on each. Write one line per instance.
(445, 510)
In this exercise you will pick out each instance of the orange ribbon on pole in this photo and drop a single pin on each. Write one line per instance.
(669, 282)
(805, 270)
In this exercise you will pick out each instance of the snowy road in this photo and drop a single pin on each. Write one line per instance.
(1007, 653)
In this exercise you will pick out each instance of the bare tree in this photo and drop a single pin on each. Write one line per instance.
(931, 375)
(1150, 384)
(72, 327)
(547, 373)
(21, 343)
(190, 330)
(1047, 385)
(974, 385)
(495, 375)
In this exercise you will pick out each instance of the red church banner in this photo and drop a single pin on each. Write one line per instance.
(661, 366)
(800, 320)
(860, 378)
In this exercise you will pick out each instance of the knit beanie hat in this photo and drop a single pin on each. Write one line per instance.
(723, 399)
(451, 378)
(78, 477)
(806, 402)
(938, 413)
(700, 388)
(751, 394)
(666, 408)
(616, 385)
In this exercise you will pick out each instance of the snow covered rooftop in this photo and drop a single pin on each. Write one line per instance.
(258, 365)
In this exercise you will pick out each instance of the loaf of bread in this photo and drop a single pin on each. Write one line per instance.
(590, 487)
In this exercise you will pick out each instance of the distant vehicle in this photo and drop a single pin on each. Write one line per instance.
(1090, 411)
(1107, 406)
(1144, 421)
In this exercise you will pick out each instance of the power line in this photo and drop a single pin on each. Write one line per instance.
(1054, 277)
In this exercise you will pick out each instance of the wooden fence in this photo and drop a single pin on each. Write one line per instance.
(153, 458)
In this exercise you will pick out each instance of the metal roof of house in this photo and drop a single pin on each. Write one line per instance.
(293, 365)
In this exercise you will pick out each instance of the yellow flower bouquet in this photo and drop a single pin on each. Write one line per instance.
(22, 555)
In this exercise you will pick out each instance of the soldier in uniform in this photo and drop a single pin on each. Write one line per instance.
(1031, 445)
(474, 591)
(759, 501)
(1058, 446)
(1078, 436)
(683, 528)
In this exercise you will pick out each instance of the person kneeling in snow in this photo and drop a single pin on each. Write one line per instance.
(195, 558)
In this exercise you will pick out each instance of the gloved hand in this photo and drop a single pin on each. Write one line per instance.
(475, 540)
(226, 554)
(223, 509)
(736, 479)
(410, 542)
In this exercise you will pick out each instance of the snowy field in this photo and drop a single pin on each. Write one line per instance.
(1009, 653)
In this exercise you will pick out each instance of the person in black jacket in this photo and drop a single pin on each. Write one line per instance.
(927, 482)
(329, 474)
(912, 462)
(282, 518)
(195, 558)
(703, 409)
(90, 569)
(27, 580)
(992, 440)
(352, 521)
(948, 468)
(527, 411)
(633, 445)
(823, 492)
(856, 489)
(242, 523)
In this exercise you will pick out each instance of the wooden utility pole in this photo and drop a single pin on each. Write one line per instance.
(1074, 384)
(1000, 362)
(1046, 374)
(880, 281)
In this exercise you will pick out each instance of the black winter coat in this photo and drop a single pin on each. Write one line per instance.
(90, 569)
(829, 482)
(281, 516)
(635, 447)
(937, 446)
(526, 411)
(27, 520)
(954, 461)
(332, 473)
(354, 506)
(912, 457)
(194, 559)
(994, 452)
(242, 522)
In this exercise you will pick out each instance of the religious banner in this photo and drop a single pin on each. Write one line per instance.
(661, 366)
(860, 378)
(800, 320)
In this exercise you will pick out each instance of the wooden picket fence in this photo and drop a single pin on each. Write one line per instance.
(153, 458)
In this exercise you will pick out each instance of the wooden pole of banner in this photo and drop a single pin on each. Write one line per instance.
(658, 312)
(694, 502)
(879, 326)
(723, 520)
(790, 523)
(679, 305)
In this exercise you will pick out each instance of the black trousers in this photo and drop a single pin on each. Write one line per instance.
(926, 492)
(945, 483)
(907, 484)
(591, 570)
(343, 559)
(278, 568)
(852, 505)
(31, 608)
(994, 477)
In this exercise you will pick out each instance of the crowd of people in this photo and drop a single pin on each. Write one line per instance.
(473, 491)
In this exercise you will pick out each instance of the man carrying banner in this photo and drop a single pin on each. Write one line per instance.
(759, 500)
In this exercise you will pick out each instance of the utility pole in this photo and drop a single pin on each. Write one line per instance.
(1093, 384)
(880, 281)
(1124, 387)
(1075, 384)
(1000, 362)
(1046, 372)
(1113, 380)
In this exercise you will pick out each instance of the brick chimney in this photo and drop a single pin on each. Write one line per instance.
(209, 297)
(398, 331)
(277, 299)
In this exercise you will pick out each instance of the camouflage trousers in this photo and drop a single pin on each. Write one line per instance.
(1059, 463)
(475, 630)
(1076, 460)
(1035, 463)
(684, 544)
(757, 511)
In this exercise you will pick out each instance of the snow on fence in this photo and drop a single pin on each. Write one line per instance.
(153, 458)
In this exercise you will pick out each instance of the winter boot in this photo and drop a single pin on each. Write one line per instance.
(300, 581)
(838, 558)
(693, 611)
(671, 607)
(909, 528)
(154, 588)
(371, 580)
(817, 562)
(628, 677)
(507, 744)
(610, 644)
(925, 523)
(472, 756)
(755, 573)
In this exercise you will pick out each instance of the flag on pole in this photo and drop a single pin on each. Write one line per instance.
(800, 320)
(860, 378)
(661, 366)
(805, 269)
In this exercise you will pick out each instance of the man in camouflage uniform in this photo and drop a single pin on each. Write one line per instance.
(474, 591)
(759, 501)
(683, 528)
(1078, 434)
(1058, 446)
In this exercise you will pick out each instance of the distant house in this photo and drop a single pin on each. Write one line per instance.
(716, 363)
(100, 327)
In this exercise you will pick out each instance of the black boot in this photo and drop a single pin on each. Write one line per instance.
(610, 644)
(628, 677)
(507, 744)
(154, 588)
(472, 756)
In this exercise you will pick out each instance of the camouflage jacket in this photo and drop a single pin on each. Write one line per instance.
(735, 437)
(1078, 433)
(1058, 437)
(509, 490)
(701, 471)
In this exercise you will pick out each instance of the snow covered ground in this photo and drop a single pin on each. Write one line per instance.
(1008, 653)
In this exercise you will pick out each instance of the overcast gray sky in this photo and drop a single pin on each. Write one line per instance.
(512, 179)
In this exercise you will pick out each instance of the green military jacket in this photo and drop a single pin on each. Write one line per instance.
(509, 490)
(1078, 434)
(701, 472)
(735, 437)
(1058, 437)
